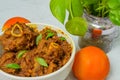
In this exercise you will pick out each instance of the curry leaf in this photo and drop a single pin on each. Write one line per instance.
(20, 53)
(76, 26)
(13, 66)
(58, 9)
(38, 38)
(41, 61)
(51, 34)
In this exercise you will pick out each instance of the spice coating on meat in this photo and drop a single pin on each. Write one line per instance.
(49, 54)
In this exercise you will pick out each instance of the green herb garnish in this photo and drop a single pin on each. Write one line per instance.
(62, 38)
(49, 35)
(48, 31)
(13, 66)
(21, 53)
(41, 61)
(38, 38)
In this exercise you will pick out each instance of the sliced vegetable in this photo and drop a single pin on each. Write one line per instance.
(12, 21)
(53, 45)
(48, 31)
(49, 35)
(38, 38)
(13, 66)
(62, 38)
(19, 32)
(41, 61)
(21, 53)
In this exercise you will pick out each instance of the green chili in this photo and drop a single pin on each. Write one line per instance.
(41, 61)
(13, 66)
(38, 38)
(62, 38)
(20, 53)
(51, 34)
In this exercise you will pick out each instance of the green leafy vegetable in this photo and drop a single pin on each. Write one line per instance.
(51, 34)
(21, 53)
(41, 61)
(13, 66)
(58, 9)
(62, 38)
(76, 7)
(38, 38)
(114, 4)
(89, 2)
(115, 16)
(77, 26)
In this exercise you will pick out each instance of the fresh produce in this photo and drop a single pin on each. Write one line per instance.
(91, 63)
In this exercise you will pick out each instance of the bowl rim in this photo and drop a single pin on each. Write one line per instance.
(53, 73)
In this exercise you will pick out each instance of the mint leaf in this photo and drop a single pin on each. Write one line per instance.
(76, 26)
(41, 61)
(58, 9)
(13, 66)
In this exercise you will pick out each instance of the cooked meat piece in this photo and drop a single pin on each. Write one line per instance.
(14, 43)
(53, 51)
(6, 58)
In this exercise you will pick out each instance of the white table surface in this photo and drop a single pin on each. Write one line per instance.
(38, 11)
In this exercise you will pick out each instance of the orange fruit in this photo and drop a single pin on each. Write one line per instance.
(91, 63)
(13, 20)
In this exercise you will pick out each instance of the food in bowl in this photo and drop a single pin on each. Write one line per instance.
(28, 52)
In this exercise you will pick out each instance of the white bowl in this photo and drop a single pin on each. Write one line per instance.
(60, 74)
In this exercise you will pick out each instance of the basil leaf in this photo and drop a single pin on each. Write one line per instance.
(49, 35)
(76, 7)
(13, 66)
(58, 9)
(41, 61)
(114, 16)
(38, 38)
(62, 38)
(20, 53)
(76, 26)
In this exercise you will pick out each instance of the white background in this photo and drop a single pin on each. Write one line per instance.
(38, 11)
